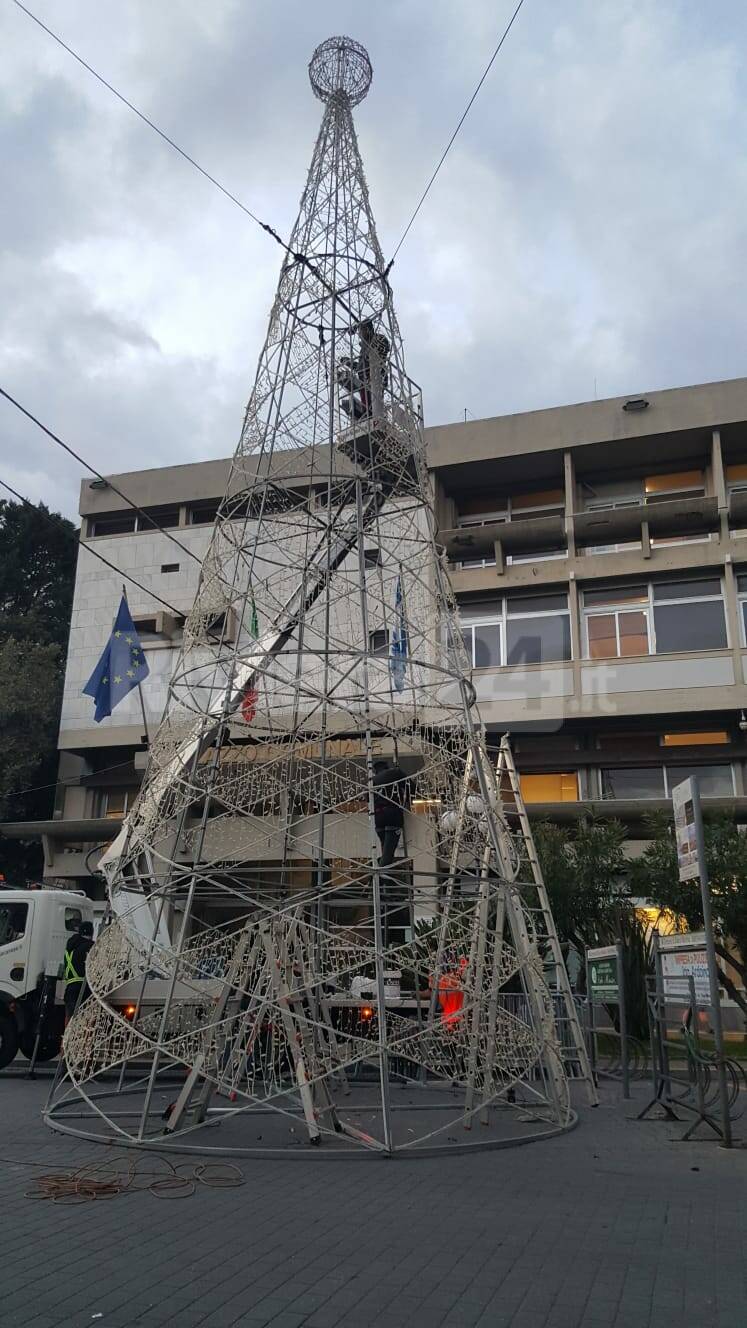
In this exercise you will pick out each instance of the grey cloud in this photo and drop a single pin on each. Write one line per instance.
(588, 224)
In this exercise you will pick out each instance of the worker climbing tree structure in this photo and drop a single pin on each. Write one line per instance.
(263, 968)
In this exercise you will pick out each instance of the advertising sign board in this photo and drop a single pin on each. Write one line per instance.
(604, 981)
(677, 966)
(685, 832)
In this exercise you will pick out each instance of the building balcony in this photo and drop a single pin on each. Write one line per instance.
(632, 813)
(666, 520)
(66, 844)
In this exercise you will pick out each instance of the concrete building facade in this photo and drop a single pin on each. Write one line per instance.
(599, 557)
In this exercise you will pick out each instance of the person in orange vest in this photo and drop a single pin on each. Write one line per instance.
(451, 990)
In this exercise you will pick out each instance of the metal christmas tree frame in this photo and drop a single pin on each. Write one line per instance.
(261, 969)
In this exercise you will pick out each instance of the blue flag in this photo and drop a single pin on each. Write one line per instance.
(121, 667)
(398, 650)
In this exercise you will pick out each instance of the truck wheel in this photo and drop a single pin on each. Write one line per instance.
(49, 1046)
(8, 1038)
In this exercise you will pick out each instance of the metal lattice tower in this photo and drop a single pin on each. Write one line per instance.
(257, 949)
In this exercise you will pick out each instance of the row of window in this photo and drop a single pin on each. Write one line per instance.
(649, 618)
(263, 502)
(643, 782)
(637, 492)
(632, 783)
(167, 517)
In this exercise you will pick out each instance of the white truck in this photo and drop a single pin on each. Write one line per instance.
(35, 927)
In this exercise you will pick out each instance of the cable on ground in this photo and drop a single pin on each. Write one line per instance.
(102, 1178)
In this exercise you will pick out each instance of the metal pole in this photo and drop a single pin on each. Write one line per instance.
(590, 1019)
(661, 1020)
(623, 1020)
(699, 1096)
(140, 691)
(713, 971)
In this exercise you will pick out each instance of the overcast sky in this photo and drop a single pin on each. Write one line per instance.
(587, 229)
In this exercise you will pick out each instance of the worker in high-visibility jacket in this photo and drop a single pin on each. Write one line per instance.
(74, 972)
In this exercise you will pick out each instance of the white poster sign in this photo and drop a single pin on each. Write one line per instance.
(677, 967)
(683, 803)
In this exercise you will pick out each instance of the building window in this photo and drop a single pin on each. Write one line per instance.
(676, 484)
(378, 642)
(111, 523)
(689, 615)
(742, 592)
(518, 507)
(634, 783)
(550, 787)
(482, 519)
(538, 629)
(165, 517)
(664, 618)
(617, 622)
(516, 630)
(714, 781)
(371, 558)
(544, 555)
(718, 738)
(169, 567)
(114, 803)
(612, 505)
(526, 506)
(125, 523)
(203, 514)
(483, 639)
(736, 477)
(652, 489)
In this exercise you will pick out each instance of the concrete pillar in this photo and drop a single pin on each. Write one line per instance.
(569, 482)
(731, 607)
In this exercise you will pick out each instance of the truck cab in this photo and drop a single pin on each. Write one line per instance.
(35, 927)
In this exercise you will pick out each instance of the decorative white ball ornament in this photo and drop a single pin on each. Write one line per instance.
(449, 821)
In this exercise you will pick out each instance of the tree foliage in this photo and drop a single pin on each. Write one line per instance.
(583, 869)
(37, 573)
(655, 877)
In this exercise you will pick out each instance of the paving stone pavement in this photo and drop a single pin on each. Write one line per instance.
(615, 1225)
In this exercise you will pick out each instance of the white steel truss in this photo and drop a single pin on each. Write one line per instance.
(259, 952)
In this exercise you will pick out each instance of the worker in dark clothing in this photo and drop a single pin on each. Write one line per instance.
(366, 376)
(391, 799)
(76, 953)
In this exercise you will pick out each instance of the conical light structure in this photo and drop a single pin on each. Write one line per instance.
(314, 896)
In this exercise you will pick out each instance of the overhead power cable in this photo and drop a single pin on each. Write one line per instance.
(270, 230)
(461, 121)
(135, 506)
(76, 780)
(83, 544)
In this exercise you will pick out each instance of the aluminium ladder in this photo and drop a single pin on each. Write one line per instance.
(574, 1050)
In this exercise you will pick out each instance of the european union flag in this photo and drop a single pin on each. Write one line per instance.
(398, 649)
(121, 667)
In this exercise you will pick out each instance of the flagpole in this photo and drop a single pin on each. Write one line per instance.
(146, 734)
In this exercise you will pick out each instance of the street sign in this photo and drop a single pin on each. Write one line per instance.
(604, 981)
(685, 830)
(684, 956)
(691, 857)
(677, 968)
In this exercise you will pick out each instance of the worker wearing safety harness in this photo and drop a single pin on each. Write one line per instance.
(74, 972)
